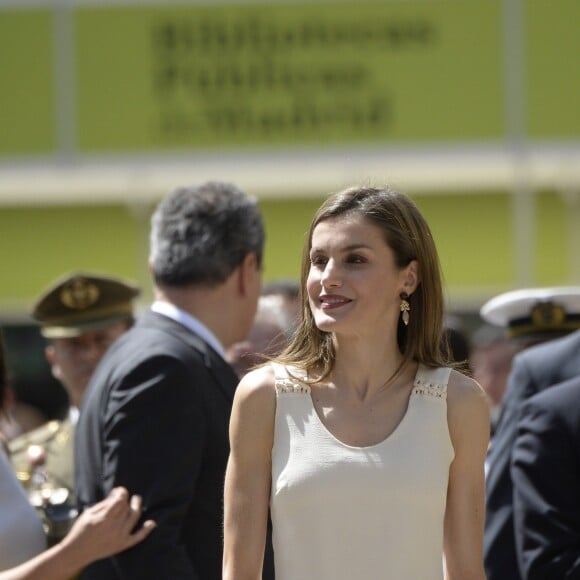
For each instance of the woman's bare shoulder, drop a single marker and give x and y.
(257, 387)
(467, 404)
(462, 389)
(253, 418)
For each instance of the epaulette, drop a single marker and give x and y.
(38, 436)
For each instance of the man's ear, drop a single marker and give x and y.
(411, 277)
(247, 273)
(50, 354)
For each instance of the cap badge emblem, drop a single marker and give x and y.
(548, 314)
(79, 294)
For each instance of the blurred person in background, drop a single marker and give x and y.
(287, 292)
(21, 531)
(267, 337)
(542, 324)
(545, 470)
(491, 361)
(19, 417)
(456, 343)
(80, 316)
(108, 528)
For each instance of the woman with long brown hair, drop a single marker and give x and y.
(367, 447)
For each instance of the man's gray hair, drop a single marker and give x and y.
(201, 234)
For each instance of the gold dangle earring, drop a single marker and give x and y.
(405, 308)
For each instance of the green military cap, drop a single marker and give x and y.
(83, 302)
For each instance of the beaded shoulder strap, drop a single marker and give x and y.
(432, 382)
(286, 383)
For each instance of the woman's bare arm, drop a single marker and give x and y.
(468, 418)
(248, 476)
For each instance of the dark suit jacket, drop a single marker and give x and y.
(546, 477)
(155, 420)
(533, 370)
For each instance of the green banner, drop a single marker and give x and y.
(553, 69)
(26, 82)
(293, 74)
(163, 78)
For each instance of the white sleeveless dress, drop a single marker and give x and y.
(360, 513)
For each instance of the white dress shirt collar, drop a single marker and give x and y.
(73, 415)
(190, 322)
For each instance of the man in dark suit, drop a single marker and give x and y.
(155, 418)
(546, 478)
(554, 312)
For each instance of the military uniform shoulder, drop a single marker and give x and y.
(38, 436)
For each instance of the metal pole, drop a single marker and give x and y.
(515, 101)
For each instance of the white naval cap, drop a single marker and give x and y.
(535, 312)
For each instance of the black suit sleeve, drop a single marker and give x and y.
(153, 440)
(499, 540)
(546, 476)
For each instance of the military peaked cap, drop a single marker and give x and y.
(535, 312)
(82, 302)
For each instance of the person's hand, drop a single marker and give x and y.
(107, 527)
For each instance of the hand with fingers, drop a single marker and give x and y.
(108, 527)
(102, 530)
